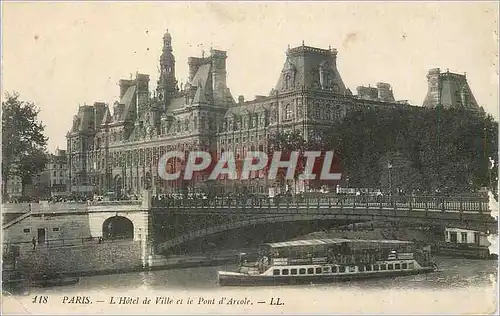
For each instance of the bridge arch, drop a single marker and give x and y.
(305, 217)
(243, 223)
(118, 227)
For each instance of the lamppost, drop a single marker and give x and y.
(389, 168)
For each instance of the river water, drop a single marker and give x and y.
(460, 286)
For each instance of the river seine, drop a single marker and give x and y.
(460, 286)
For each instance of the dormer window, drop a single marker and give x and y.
(288, 76)
(288, 81)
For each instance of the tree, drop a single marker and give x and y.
(23, 141)
(286, 142)
(445, 150)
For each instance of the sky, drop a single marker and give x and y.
(61, 55)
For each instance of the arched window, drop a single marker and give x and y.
(288, 113)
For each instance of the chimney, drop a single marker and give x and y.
(385, 92)
(218, 59)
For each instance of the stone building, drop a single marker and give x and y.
(117, 149)
(450, 90)
(53, 180)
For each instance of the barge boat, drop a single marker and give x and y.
(329, 260)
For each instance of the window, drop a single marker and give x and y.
(288, 81)
(368, 267)
(293, 271)
(27, 230)
(404, 266)
(326, 270)
(341, 269)
(318, 271)
(453, 237)
(302, 271)
(375, 267)
(352, 269)
(276, 272)
(397, 266)
(334, 269)
(476, 238)
(284, 272)
(383, 267)
(464, 237)
(390, 266)
(410, 265)
(361, 268)
(288, 112)
(310, 271)
(55, 229)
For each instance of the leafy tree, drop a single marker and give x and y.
(286, 142)
(23, 141)
(445, 150)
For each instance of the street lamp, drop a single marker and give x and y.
(389, 168)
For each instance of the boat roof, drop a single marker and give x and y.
(325, 242)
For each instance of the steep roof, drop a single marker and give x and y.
(455, 92)
(106, 118)
(245, 109)
(128, 100)
(303, 63)
(83, 120)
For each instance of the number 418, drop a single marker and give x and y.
(40, 299)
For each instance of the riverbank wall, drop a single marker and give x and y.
(109, 258)
(98, 257)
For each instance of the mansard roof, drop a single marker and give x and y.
(128, 100)
(83, 120)
(453, 87)
(246, 109)
(303, 65)
(450, 90)
(106, 118)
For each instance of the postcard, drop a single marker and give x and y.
(249, 158)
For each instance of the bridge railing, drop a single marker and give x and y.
(113, 203)
(468, 204)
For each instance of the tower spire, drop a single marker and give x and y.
(167, 84)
